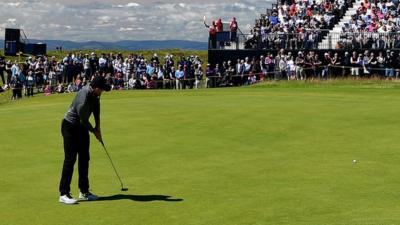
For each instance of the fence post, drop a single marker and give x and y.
(329, 41)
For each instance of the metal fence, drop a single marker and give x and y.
(313, 40)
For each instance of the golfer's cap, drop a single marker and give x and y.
(100, 82)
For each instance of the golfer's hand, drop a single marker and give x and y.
(97, 134)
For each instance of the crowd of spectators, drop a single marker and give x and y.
(49, 75)
(296, 24)
(375, 25)
(302, 65)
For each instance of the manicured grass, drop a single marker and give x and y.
(276, 153)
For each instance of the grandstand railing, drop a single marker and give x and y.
(302, 41)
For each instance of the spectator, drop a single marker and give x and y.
(160, 76)
(47, 90)
(354, 64)
(390, 64)
(30, 82)
(299, 66)
(16, 87)
(381, 64)
(291, 68)
(132, 83)
(8, 71)
(234, 27)
(212, 35)
(179, 75)
(239, 68)
(2, 69)
(218, 25)
(210, 73)
(346, 64)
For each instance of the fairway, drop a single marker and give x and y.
(266, 155)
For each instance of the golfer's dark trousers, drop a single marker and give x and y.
(76, 143)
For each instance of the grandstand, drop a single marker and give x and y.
(321, 26)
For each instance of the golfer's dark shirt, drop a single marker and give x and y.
(82, 107)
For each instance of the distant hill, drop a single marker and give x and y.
(121, 45)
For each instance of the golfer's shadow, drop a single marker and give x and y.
(140, 198)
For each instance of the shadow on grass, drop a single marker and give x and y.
(139, 198)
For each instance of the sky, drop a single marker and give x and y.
(102, 20)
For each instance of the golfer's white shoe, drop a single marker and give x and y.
(88, 196)
(68, 199)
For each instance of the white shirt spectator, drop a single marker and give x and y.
(86, 63)
(102, 62)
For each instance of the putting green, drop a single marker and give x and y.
(271, 154)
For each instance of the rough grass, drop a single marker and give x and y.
(277, 153)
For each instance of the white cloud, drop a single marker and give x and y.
(131, 19)
(240, 5)
(104, 19)
(53, 25)
(123, 29)
(14, 4)
(139, 20)
(132, 4)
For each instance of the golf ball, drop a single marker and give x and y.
(354, 161)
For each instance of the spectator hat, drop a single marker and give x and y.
(100, 82)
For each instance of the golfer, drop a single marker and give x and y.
(75, 130)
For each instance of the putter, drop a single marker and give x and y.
(115, 170)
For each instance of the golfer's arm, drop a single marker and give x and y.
(83, 112)
(96, 115)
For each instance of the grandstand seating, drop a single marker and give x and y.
(324, 24)
(368, 25)
(297, 24)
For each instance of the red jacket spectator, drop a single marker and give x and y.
(292, 10)
(213, 34)
(212, 30)
(233, 25)
(309, 12)
(218, 25)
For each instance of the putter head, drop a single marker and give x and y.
(124, 189)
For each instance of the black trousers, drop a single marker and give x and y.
(2, 76)
(76, 143)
